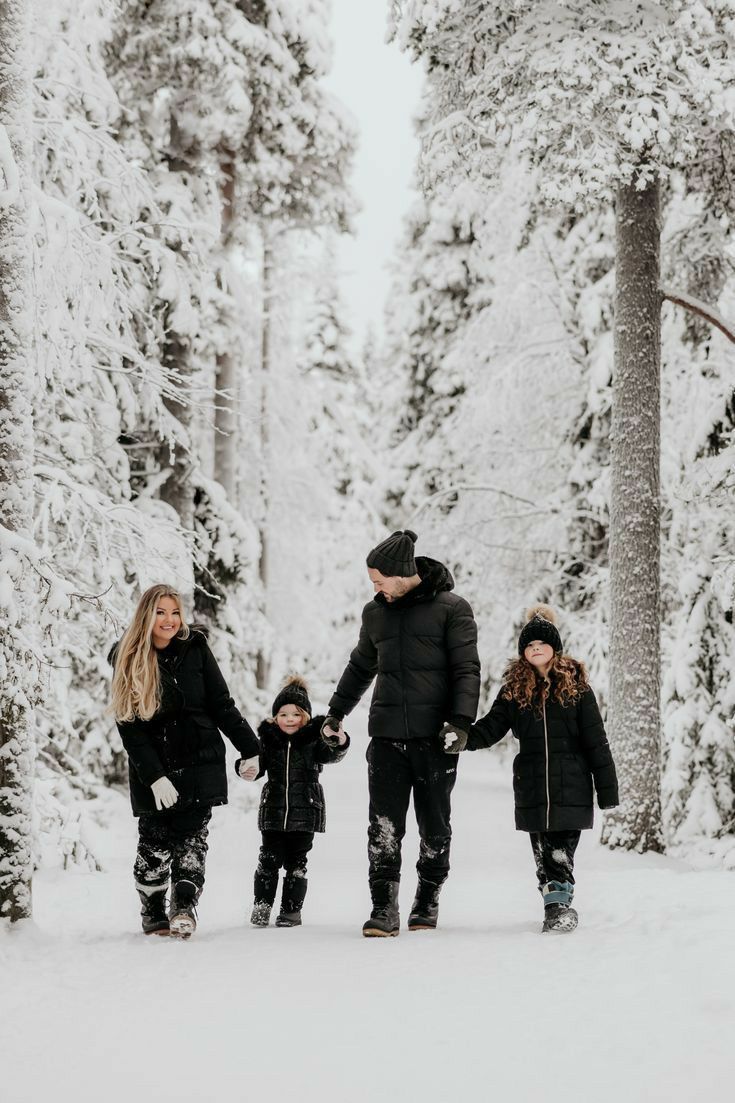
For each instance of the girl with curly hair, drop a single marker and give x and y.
(547, 702)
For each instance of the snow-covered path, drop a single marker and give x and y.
(638, 1004)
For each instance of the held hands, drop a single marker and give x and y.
(332, 733)
(165, 793)
(248, 768)
(454, 739)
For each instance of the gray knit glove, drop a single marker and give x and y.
(330, 731)
(453, 739)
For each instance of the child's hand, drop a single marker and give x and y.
(341, 738)
(248, 769)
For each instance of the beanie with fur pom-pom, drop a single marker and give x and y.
(541, 625)
(294, 692)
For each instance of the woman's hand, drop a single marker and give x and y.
(165, 793)
(248, 769)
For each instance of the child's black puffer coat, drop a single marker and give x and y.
(563, 748)
(292, 797)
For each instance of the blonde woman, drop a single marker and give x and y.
(169, 699)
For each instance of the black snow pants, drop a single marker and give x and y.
(171, 845)
(395, 769)
(287, 850)
(553, 852)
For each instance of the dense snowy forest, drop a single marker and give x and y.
(181, 398)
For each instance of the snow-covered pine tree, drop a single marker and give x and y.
(545, 78)
(17, 549)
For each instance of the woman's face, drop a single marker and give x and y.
(539, 654)
(167, 623)
(289, 719)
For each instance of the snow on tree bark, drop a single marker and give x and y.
(16, 472)
(635, 632)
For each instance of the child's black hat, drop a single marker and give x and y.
(294, 692)
(541, 626)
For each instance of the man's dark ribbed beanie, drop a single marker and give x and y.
(293, 693)
(394, 556)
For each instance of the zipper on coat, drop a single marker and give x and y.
(288, 764)
(400, 660)
(546, 755)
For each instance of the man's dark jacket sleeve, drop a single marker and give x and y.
(464, 663)
(358, 674)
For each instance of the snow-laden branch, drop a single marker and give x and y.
(704, 310)
(10, 193)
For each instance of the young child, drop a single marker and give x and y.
(547, 702)
(292, 809)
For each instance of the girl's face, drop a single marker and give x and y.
(539, 654)
(289, 719)
(167, 622)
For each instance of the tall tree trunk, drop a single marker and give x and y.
(226, 415)
(263, 663)
(16, 467)
(635, 724)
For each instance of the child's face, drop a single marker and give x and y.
(289, 719)
(539, 654)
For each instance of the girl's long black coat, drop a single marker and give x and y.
(562, 750)
(182, 741)
(292, 797)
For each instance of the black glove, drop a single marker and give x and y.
(330, 730)
(453, 739)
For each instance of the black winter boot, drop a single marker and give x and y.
(292, 899)
(265, 884)
(384, 921)
(153, 912)
(182, 912)
(425, 908)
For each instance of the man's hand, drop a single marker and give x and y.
(332, 733)
(248, 768)
(454, 739)
(164, 793)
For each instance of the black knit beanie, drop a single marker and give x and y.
(540, 626)
(293, 693)
(394, 556)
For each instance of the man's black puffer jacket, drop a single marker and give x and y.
(182, 741)
(292, 797)
(423, 650)
(563, 748)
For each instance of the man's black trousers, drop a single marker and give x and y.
(395, 769)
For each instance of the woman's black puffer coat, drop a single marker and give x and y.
(292, 797)
(182, 741)
(563, 749)
(423, 650)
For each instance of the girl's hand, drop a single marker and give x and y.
(341, 738)
(248, 769)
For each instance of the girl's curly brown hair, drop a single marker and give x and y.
(567, 682)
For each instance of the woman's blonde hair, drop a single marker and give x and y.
(136, 683)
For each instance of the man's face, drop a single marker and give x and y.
(390, 586)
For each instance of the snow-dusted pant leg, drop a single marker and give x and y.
(553, 853)
(390, 778)
(172, 844)
(434, 775)
(280, 849)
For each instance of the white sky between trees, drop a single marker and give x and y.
(381, 88)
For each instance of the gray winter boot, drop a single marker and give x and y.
(559, 915)
(384, 921)
(182, 912)
(425, 908)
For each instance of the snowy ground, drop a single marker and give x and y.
(638, 1004)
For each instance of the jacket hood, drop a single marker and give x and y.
(435, 579)
(308, 732)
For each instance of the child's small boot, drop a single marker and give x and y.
(559, 915)
(425, 908)
(265, 884)
(292, 899)
(182, 912)
(384, 921)
(153, 910)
